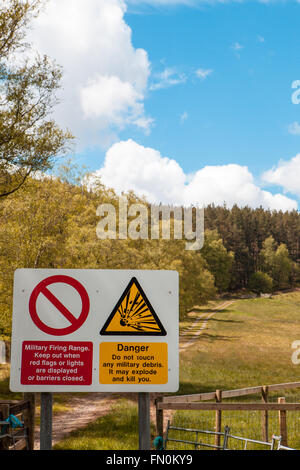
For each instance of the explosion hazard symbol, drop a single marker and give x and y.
(133, 315)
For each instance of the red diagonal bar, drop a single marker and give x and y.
(54, 300)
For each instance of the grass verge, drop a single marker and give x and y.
(118, 430)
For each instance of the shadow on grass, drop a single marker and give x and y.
(221, 320)
(115, 431)
(189, 388)
(191, 320)
(208, 311)
(207, 336)
(203, 310)
(213, 338)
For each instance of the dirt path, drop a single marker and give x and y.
(190, 335)
(84, 410)
(87, 409)
(90, 406)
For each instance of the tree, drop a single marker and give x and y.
(29, 138)
(282, 268)
(260, 282)
(277, 263)
(244, 230)
(51, 223)
(218, 259)
(196, 282)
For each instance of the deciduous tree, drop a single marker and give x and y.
(29, 137)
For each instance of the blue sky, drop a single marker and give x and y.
(241, 112)
(211, 88)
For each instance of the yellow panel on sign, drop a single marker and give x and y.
(133, 363)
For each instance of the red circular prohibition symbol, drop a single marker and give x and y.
(42, 288)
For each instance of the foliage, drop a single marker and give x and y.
(260, 282)
(218, 259)
(276, 262)
(244, 230)
(51, 223)
(29, 138)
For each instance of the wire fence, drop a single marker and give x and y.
(252, 424)
(244, 424)
(197, 439)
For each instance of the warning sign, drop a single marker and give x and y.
(59, 313)
(133, 315)
(133, 363)
(56, 362)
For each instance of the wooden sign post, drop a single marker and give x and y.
(46, 421)
(144, 421)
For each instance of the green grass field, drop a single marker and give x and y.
(247, 344)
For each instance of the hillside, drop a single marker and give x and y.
(249, 343)
(51, 223)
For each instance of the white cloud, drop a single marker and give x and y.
(145, 123)
(203, 73)
(169, 77)
(237, 46)
(130, 166)
(286, 175)
(108, 97)
(105, 76)
(183, 117)
(167, 2)
(294, 128)
(232, 184)
(191, 3)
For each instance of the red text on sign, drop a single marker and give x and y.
(57, 362)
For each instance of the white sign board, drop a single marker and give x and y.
(86, 330)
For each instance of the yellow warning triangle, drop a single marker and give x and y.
(133, 315)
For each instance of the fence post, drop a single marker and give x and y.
(265, 415)
(30, 418)
(159, 418)
(46, 421)
(144, 420)
(5, 414)
(218, 424)
(282, 423)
